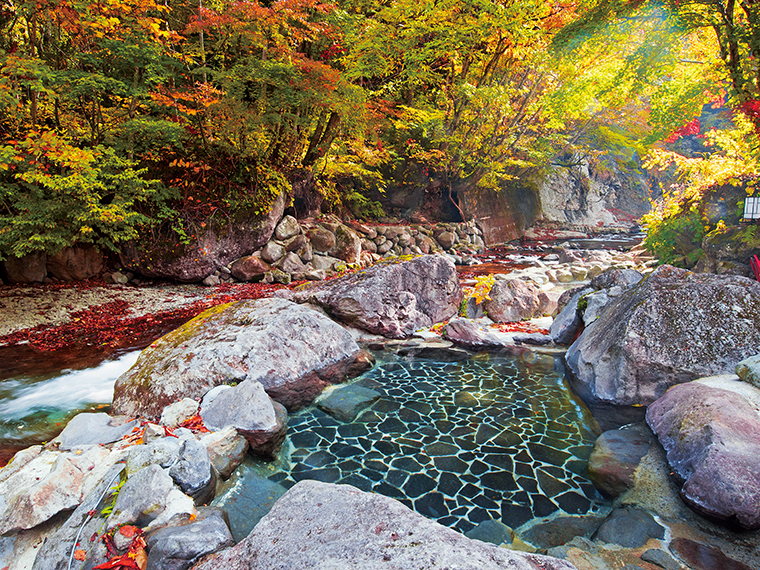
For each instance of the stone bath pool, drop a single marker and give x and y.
(491, 437)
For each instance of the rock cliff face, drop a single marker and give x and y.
(579, 193)
(505, 214)
(219, 243)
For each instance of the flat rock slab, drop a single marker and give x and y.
(630, 528)
(294, 351)
(702, 557)
(320, 525)
(712, 439)
(560, 530)
(495, 532)
(615, 456)
(392, 298)
(469, 334)
(345, 402)
(675, 326)
(93, 429)
(43, 483)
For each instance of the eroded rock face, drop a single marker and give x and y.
(674, 327)
(516, 300)
(391, 298)
(320, 525)
(76, 263)
(712, 438)
(292, 350)
(31, 268)
(220, 242)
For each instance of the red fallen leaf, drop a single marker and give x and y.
(170, 433)
(123, 562)
(107, 324)
(194, 424)
(133, 559)
(94, 537)
(130, 531)
(80, 554)
(523, 327)
(110, 546)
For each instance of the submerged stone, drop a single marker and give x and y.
(345, 402)
(251, 497)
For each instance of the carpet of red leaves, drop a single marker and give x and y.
(108, 325)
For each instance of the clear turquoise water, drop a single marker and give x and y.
(493, 437)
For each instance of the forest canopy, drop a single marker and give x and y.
(119, 115)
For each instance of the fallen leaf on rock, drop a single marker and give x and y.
(130, 531)
(80, 554)
(194, 424)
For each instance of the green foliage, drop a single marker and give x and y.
(55, 195)
(675, 237)
(173, 113)
(480, 292)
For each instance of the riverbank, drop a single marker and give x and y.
(95, 313)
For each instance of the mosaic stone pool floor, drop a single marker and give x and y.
(492, 437)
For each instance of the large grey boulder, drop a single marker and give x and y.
(226, 450)
(629, 527)
(624, 278)
(248, 408)
(516, 300)
(193, 472)
(345, 402)
(615, 457)
(248, 500)
(287, 228)
(55, 551)
(320, 525)
(565, 325)
(292, 350)
(162, 452)
(142, 498)
(321, 239)
(348, 245)
(710, 430)
(675, 326)
(393, 298)
(222, 240)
